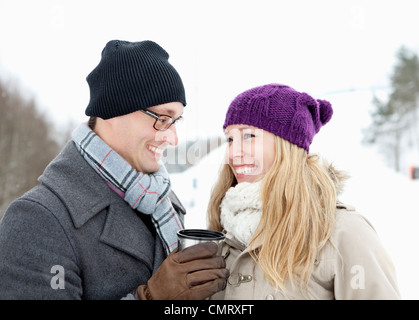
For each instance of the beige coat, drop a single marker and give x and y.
(352, 265)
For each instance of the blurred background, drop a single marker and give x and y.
(362, 56)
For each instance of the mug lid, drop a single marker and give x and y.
(200, 234)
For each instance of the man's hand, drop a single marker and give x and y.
(195, 273)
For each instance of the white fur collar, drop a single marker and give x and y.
(241, 210)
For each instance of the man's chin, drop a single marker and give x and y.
(152, 168)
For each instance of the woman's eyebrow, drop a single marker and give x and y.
(244, 127)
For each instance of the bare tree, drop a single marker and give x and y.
(395, 122)
(26, 144)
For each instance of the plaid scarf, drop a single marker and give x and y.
(147, 193)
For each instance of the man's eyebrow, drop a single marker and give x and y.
(165, 111)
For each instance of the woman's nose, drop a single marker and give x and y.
(236, 149)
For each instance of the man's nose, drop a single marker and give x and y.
(169, 136)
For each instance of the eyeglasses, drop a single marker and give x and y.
(163, 122)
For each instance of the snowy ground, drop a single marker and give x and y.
(387, 199)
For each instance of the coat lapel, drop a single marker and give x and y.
(125, 231)
(78, 186)
(85, 194)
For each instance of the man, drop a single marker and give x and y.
(102, 223)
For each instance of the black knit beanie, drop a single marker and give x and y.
(132, 76)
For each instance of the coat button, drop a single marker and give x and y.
(270, 297)
(236, 279)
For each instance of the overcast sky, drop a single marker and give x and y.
(220, 48)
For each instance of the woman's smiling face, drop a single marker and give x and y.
(250, 152)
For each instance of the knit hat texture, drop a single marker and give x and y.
(132, 76)
(292, 115)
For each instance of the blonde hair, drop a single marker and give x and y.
(298, 204)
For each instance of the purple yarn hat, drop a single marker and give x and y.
(292, 115)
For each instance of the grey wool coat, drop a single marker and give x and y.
(73, 237)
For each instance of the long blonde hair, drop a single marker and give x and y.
(298, 204)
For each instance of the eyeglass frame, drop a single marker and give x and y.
(157, 116)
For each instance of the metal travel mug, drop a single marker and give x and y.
(190, 237)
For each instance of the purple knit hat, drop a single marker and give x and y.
(279, 109)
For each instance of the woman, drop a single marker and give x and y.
(288, 236)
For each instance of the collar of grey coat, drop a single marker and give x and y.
(85, 194)
(78, 186)
(69, 184)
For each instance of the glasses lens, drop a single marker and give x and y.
(163, 122)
